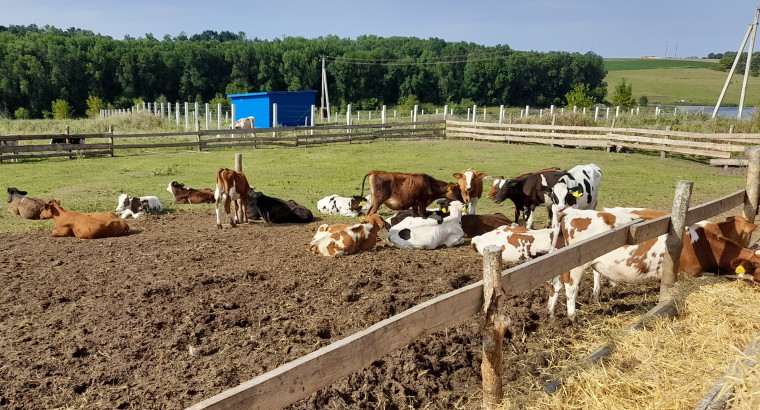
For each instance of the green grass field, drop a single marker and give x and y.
(670, 81)
(307, 174)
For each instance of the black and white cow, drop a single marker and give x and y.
(577, 188)
(526, 191)
(128, 205)
(343, 206)
(274, 210)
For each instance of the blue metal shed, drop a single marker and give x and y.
(293, 107)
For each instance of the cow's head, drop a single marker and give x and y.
(508, 189)
(14, 191)
(497, 183)
(357, 203)
(252, 210)
(50, 209)
(467, 179)
(453, 192)
(747, 267)
(123, 203)
(562, 196)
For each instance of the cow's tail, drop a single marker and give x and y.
(364, 180)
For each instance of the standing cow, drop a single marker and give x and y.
(399, 191)
(526, 192)
(231, 186)
(578, 188)
(471, 185)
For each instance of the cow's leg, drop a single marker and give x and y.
(62, 230)
(597, 284)
(419, 210)
(471, 207)
(227, 201)
(571, 288)
(218, 198)
(530, 213)
(554, 294)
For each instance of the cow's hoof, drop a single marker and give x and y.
(219, 226)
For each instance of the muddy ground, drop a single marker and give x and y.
(178, 311)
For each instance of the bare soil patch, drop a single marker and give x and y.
(178, 311)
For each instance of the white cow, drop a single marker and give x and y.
(244, 123)
(578, 188)
(127, 206)
(428, 233)
(343, 206)
(517, 243)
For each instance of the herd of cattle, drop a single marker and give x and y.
(570, 198)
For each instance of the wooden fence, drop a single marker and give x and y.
(14, 147)
(301, 377)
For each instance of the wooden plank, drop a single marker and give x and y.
(689, 151)
(712, 399)
(299, 378)
(732, 162)
(684, 143)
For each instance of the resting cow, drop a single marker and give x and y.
(128, 205)
(341, 239)
(274, 210)
(230, 186)
(25, 206)
(525, 191)
(471, 186)
(399, 191)
(343, 206)
(516, 242)
(84, 226)
(427, 233)
(184, 195)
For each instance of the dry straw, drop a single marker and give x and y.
(672, 365)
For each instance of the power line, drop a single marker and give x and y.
(404, 61)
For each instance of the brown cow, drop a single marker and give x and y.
(184, 195)
(231, 186)
(400, 191)
(471, 185)
(342, 239)
(25, 206)
(720, 248)
(83, 226)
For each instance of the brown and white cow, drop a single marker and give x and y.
(427, 233)
(342, 239)
(399, 191)
(707, 246)
(231, 186)
(517, 243)
(25, 206)
(471, 186)
(498, 182)
(184, 195)
(83, 226)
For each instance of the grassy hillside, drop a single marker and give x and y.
(670, 81)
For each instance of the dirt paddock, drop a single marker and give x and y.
(178, 311)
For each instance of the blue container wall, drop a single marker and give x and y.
(293, 107)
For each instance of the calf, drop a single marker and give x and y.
(497, 184)
(244, 123)
(577, 188)
(720, 248)
(128, 205)
(230, 186)
(438, 214)
(474, 225)
(400, 191)
(343, 206)
(526, 193)
(471, 186)
(274, 210)
(341, 239)
(84, 226)
(25, 206)
(184, 195)
(516, 242)
(425, 233)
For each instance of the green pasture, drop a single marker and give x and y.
(670, 81)
(307, 174)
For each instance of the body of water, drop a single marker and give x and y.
(729, 112)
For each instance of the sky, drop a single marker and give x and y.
(611, 29)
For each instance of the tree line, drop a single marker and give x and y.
(44, 66)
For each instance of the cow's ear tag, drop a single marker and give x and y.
(362, 203)
(362, 220)
(740, 270)
(577, 193)
(444, 210)
(464, 209)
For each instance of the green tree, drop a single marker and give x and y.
(94, 105)
(62, 110)
(623, 95)
(643, 101)
(579, 97)
(407, 103)
(21, 114)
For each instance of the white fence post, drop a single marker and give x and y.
(382, 116)
(219, 116)
(274, 119)
(414, 115)
(187, 117)
(527, 111)
(474, 113)
(501, 113)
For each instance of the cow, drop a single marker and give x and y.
(517, 243)
(274, 210)
(435, 213)
(184, 195)
(525, 191)
(343, 206)
(471, 186)
(399, 191)
(578, 188)
(84, 226)
(342, 239)
(25, 206)
(706, 246)
(128, 205)
(498, 182)
(244, 123)
(427, 233)
(230, 186)
(474, 225)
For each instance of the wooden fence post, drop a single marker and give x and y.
(662, 153)
(674, 240)
(753, 185)
(239, 162)
(110, 137)
(495, 325)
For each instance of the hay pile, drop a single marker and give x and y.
(673, 364)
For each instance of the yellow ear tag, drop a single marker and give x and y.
(444, 210)
(740, 270)
(362, 203)
(362, 220)
(577, 194)
(464, 209)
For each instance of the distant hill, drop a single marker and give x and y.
(617, 64)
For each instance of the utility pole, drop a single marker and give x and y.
(325, 96)
(751, 32)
